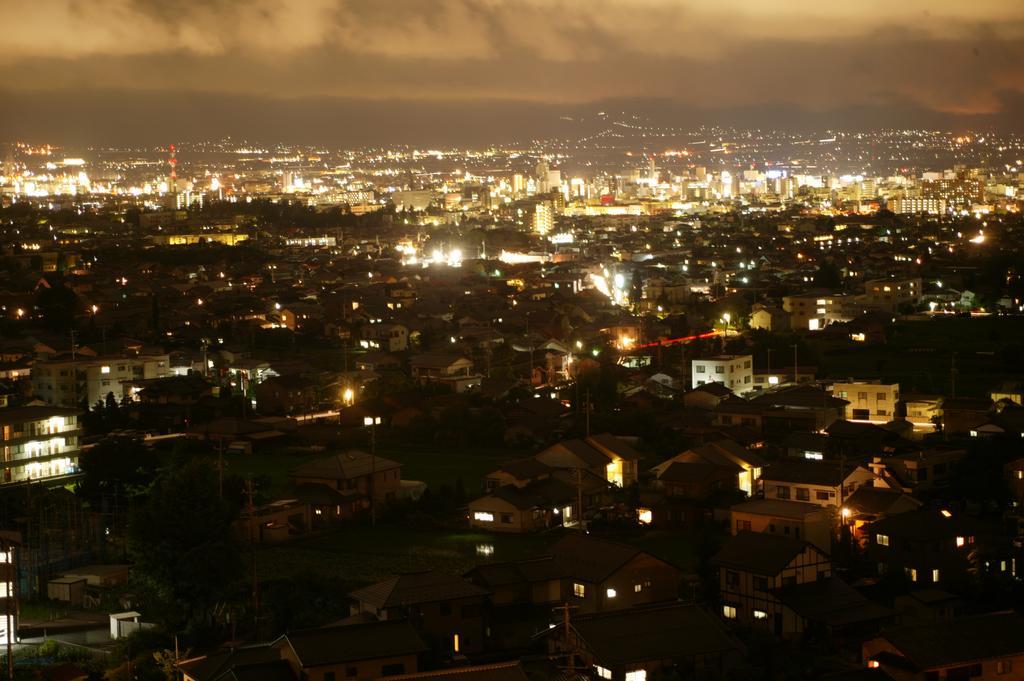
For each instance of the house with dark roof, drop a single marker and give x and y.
(448, 612)
(744, 464)
(918, 470)
(593, 575)
(351, 479)
(786, 585)
(502, 671)
(605, 455)
(928, 546)
(630, 645)
(825, 483)
(362, 651)
(986, 647)
(796, 519)
(260, 660)
(870, 504)
(551, 500)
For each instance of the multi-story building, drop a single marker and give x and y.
(38, 443)
(9, 543)
(868, 400)
(914, 205)
(814, 311)
(890, 294)
(735, 372)
(68, 382)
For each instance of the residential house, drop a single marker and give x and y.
(988, 647)
(386, 336)
(785, 585)
(448, 369)
(362, 652)
(926, 546)
(961, 415)
(355, 475)
(550, 500)
(678, 639)
(707, 396)
(745, 464)
(603, 455)
(769, 318)
(919, 470)
(869, 504)
(448, 612)
(825, 483)
(796, 519)
(593, 575)
(501, 671)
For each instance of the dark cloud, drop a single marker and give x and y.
(266, 64)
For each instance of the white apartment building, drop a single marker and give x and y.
(67, 382)
(735, 372)
(868, 400)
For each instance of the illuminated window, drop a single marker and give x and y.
(611, 593)
(104, 370)
(483, 516)
(960, 541)
(760, 615)
(729, 612)
(455, 643)
(637, 588)
(638, 675)
(911, 573)
(935, 575)
(579, 590)
(882, 539)
(602, 672)
(644, 516)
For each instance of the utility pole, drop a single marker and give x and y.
(220, 468)
(768, 368)
(250, 493)
(579, 499)
(586, 406)
(565, 609)
(372, 422)
(953, 372)
(796, 365)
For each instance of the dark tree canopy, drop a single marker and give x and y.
(180, 538)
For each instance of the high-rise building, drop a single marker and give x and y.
(543, 217)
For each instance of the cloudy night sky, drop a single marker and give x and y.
(462, 70)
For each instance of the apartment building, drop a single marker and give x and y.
(38, 443)
(735, 372)
(68, 382)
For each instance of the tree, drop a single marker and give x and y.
(59, 305)
(180, 537)
(828, 276)
(115, 468)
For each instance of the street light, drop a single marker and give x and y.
(372, 422)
